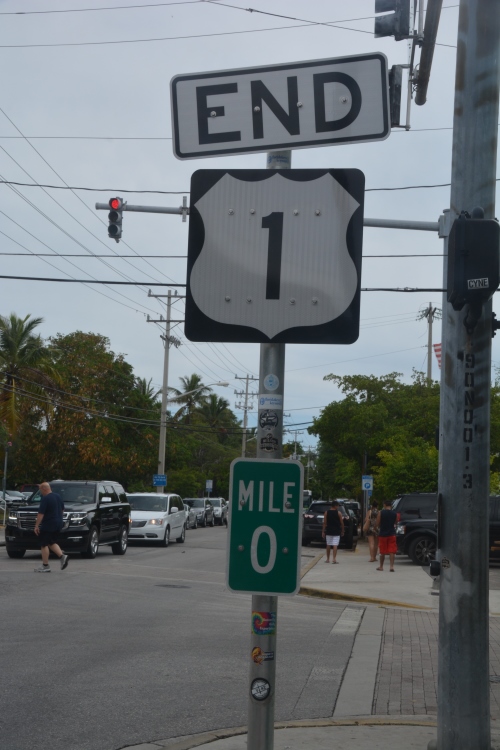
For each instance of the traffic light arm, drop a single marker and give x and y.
(181, 210)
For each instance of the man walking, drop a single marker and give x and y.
(387, 543)
(48, 524)
(333, 529)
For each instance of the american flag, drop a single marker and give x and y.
(437, 352)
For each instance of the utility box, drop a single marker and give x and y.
(473, 261)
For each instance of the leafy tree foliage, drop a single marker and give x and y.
(386, 422)
(96, 419)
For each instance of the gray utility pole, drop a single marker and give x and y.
(4, 480)
(168, 341)
(463, 683)
(269, 446)
(245, 408)
(430, 313)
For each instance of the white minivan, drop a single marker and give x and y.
(157, 518)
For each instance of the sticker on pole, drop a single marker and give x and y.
(275, 256)
(265, 531)
(260, 689)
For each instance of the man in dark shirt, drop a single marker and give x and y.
(49, 523)
(387, 544)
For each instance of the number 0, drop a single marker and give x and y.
(272, 552)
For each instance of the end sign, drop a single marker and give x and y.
(265, 526)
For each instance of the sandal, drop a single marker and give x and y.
(379, 569)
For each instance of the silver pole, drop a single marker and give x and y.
(430, 314)
(164, 396)
(245, 421)
(272, 381)
(463, 682)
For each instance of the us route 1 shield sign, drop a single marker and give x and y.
(265, 526)
(293, 105)
(275, 256)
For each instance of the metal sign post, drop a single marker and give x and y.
(269, 446)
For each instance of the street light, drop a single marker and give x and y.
(163, 424)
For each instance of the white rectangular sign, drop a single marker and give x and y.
(296, 105)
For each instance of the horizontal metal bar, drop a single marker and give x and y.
(146, 209)
(424, 226)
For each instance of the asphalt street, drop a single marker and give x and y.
(122, 650)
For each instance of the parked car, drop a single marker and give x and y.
(203, 509)
(191, 517)
(416, 505)
(157, 518)
(95, 514)
(13, 498)
(220, 510)
(355, 507)
(417, 530)
(312, 529)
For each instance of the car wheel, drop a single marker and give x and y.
(166, 539)
(306, 542)
(422, 550)
(93, 544)
(16, 554)
(182, 538)
(121, 545)
(212, 522)
(204, 522)
(195, 525)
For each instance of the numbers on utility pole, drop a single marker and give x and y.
(273, 222)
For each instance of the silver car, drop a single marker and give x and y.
(191, 517)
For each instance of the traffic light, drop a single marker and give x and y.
(396, 24)
(115, 218)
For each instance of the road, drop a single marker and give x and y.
(121, 650)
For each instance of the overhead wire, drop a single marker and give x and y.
(94, 214)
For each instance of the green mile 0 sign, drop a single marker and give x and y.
(265, 526)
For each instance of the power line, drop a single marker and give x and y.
(93, 213)
(86, 255)
(95, 281)
(94, 190)
(87, 10)
(355, 359)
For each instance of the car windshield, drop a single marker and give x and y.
(147, 502)
(72, 494)
(199, 502)
(14, 493)
(396, 503)
(215, 502)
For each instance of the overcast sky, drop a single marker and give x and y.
(98, 114)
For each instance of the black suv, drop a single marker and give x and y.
(312, 529)
(417, 531)
(95, 513)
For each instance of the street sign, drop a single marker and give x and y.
(265, 526)
(209, 485)
(295, 105)
(159, 480)
(367, 482)
(275, 256)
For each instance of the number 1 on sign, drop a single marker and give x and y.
(273, 222)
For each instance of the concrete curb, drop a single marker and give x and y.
(337, 595)
(205, 738)
(311, 565)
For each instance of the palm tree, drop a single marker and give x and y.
(191, 395)
(215, 410)
(26, 365)
(145, 388)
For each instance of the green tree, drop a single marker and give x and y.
(190, 395)
(26, 366)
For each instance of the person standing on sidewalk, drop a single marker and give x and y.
(387, 544)
(333, 529)
(371, 530)
(48, 524)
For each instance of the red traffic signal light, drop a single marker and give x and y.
(115, 218)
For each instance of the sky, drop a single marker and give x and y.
(86, 103)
